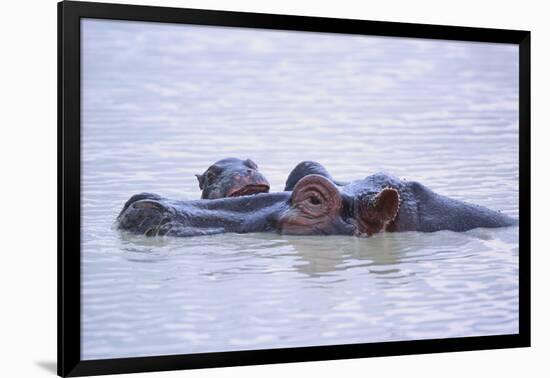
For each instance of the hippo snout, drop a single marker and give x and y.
(232, 177)
(246, 183)
(145, 214)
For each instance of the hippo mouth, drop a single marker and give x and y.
(249, 190)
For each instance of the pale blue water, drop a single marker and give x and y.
(162, 102)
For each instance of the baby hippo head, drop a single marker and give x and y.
(317, 207)
(232, 177)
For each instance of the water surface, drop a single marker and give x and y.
(162, 102)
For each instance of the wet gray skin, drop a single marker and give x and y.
(308, 168)
(232, 177)
(315, 206)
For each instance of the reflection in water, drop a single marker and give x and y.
(162, 102)
(327, 254)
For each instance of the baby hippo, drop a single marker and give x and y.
(232, 177)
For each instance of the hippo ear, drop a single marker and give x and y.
(251, 164)
(200, 178)
(375, 213)
(385, 205)
(317, 196)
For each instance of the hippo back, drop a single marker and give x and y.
(437, 212)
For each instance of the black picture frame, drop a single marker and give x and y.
(69, 155)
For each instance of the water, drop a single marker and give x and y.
(162, 102)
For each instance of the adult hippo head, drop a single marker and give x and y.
(232, 177)
(382, 202)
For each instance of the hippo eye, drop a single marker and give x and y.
(210, 176)
(314, 200)
(215, 169)
(316, 197)
(312, 204)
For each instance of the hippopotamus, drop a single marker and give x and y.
(232, 177)
(314, 206)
